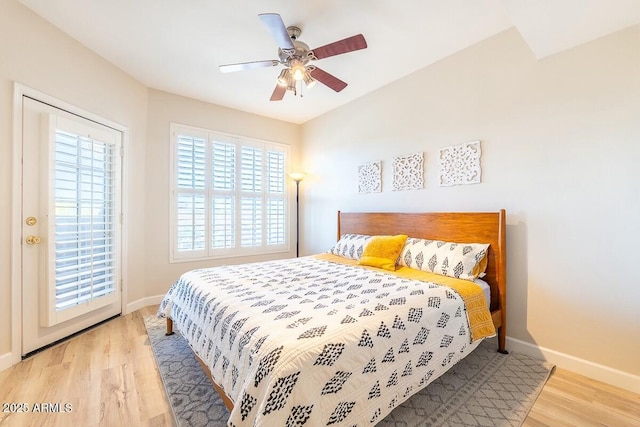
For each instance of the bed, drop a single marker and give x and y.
(321, 340)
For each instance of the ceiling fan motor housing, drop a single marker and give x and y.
(301, 49)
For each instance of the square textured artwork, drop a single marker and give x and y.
(460, 164)
(370, 177)
(408, 172)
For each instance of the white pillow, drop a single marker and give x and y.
(351, 246)
(460, 260)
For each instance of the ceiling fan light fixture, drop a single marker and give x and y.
(298, 74)
(291, 83)
(308, 80)
(295, 56)
(283, 78)
(297, 69)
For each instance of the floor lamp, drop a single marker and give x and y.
(297, 177)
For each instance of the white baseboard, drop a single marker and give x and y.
(143, 302)
(589, 369)
(7, 360)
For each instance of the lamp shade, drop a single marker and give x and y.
(283, 78)
(296, 176)
(297, 69)
(291, 83)
(308, 80)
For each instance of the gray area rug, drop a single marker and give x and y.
(484, 389)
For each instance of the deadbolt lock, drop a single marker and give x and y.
(33, 240)
(31, 220)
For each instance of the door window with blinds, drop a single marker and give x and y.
(228, 195)
(84, 222)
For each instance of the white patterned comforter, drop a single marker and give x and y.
(311, 342)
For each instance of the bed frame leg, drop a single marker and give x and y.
(169, 327)
(502, 338)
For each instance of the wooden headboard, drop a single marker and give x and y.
(459, 227)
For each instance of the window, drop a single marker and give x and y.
(228, 195)
(83, 219)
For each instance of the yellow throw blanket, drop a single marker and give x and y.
(478, 313)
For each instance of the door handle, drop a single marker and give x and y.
(33, 240)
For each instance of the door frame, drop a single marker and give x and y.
(19, 91)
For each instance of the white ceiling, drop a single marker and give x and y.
(177, 45)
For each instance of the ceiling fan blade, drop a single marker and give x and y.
(247, 66)
(349, 44)
(278, 93)
(327, 79)
(278, 30)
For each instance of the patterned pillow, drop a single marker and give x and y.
(460, 260)
(351, 246)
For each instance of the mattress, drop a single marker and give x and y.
(486, 290)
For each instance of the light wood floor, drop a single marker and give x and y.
(108, 376)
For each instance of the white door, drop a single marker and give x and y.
(71, 225)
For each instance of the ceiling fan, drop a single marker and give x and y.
(296, 55)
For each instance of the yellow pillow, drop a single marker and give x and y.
(383, 251)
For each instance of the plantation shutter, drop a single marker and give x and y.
(223, 182)
(251, 197)
(229, 195)
(275, 211)
(191, 194)
(83, 271)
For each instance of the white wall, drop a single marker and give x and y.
(165, 108)
(560, 151)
